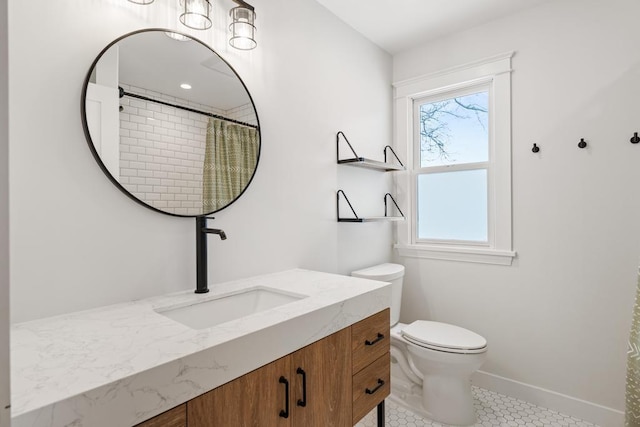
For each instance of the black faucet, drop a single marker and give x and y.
(201, 252)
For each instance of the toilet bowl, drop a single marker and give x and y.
(432, 362)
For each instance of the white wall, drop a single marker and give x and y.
(4, 221)
(77, 242)
(560, 316)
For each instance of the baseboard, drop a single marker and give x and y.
(587, 411)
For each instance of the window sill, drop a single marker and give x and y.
(449, 253)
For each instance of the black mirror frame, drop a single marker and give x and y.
(96, 156)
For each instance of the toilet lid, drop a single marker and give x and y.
(382, 272)
(443, 336)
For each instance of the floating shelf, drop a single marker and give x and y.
(371, 218)
(371, 164)
(364, 162)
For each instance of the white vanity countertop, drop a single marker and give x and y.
(122, 364)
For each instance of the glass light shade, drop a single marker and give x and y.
(242, 28)
(141, 1)
(196, 14)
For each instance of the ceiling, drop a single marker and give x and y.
(398, 25)
(153, 61)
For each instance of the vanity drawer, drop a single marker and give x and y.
(370, 386)
(176, 417)
(369, 340)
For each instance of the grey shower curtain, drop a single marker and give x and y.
(632, 412)
(231, 154)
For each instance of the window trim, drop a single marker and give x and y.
(496, 73)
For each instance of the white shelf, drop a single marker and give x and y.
(372, 219)
(371, 164)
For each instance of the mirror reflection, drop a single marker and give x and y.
(171, 123)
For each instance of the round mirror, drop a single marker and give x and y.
(171, 123)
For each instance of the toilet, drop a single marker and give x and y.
(431, 362)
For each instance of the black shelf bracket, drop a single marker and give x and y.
(356, 219)
(355, 155)
(392, 152)
(394, 202)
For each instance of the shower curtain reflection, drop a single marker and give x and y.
(231, 154)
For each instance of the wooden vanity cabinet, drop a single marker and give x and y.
(316, 380)
(333, 382)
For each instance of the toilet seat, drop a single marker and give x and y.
(444, 337)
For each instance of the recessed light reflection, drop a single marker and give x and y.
(177, 36)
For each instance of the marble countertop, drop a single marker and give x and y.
(122, 364)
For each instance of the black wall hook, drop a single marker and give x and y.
(635, 139)
(535, 148)
(582, 143)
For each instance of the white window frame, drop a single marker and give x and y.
(495, 74)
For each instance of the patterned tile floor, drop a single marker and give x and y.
(492, 409)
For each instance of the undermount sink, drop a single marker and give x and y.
(216, 311)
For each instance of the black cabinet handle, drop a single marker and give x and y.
(371, 391)
(284, 413)
(378, 339)
(303, 402)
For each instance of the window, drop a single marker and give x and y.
(451, 134)
(456, 128)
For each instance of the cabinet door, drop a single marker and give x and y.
(325, 366)
(176, 417)
(253, 400)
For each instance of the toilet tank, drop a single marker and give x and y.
(387, 272)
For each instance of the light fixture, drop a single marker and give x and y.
(196, 14)
(186, 86)
(242, 28)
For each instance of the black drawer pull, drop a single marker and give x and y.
(378, 339)
(284, 413)
(380, 384)
(303, 402)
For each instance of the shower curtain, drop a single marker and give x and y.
(231, 154)
(632, 412)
